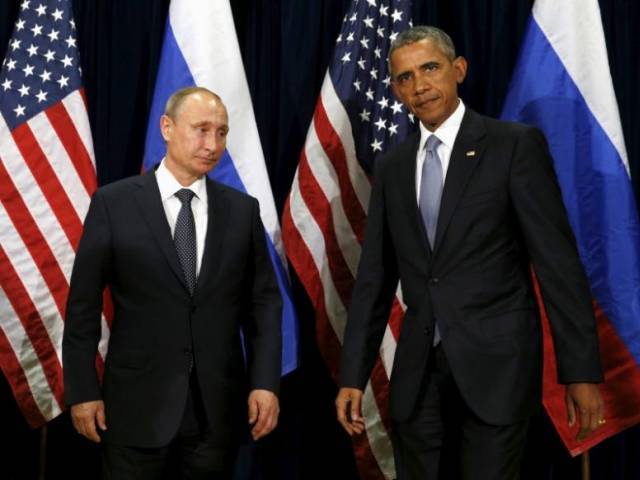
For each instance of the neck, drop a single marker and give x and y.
(183, 178)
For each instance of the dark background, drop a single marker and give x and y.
(286, 46)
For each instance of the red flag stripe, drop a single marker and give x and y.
(59, 161)
(31, 281)
(76, 105)
(18, 381)
(294, 227)
(44, 175)
(32, 330)
(339, 120)
(322, 171)
(332, 145)
(73, 146)
(318, 207)
(33, 244)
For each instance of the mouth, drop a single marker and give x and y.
(425, 102)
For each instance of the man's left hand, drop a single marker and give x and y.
(263, 412)
(584, 399)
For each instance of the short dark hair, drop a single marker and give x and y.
(422, 32)
(179, 96)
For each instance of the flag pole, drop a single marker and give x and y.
(586, 465)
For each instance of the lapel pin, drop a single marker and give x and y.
(471, 153)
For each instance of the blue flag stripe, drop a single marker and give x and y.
(174, 73)
(595, 185)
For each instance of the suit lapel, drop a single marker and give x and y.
(217, 219)
(148, 198)
(465, 155)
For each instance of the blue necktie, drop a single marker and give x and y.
(430, 195)
(184, 238)
(431, 188)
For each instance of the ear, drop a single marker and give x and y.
(460, 67)
(166, 124)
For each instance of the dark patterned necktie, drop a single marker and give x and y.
(184, 238)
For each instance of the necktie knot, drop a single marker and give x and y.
(185, 196)
(432, 144)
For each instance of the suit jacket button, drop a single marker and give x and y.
(427, 331)
(434, 280)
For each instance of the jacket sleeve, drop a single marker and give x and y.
(263, 331)
(82, 330)
(373, 294)
(551, 244)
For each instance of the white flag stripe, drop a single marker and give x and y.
(76, 108)
(29, 361)
(326, 177)
(60, 162)
(388, 350)
(36, 203)
(33, 282)
(103, 345)
(314, 240)
(212, 67)
(340, 122)
(593, 81)
(377, 435)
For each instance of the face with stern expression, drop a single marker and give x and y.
(195, 135)
(426, 81)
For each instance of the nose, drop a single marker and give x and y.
(422, 82)
(212, 142)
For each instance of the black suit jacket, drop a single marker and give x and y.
(127, 245)
(501, 209)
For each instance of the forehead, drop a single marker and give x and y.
(202, 107)
(421, 51)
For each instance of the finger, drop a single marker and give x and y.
(101, 419)
(355, 409)
(269, 426)
(341, 410)
(571, 411)
(253, 411)
(258, 427)
(585, 424)
(358, 426)
(89, 427)
(596, 418)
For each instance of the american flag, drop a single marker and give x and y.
(47, 175)
(356, 119)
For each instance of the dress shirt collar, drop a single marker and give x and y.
(168, 184)
(447, 132)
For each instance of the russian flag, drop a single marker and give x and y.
(201, 48)
(562, 84)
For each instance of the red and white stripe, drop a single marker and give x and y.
(323, 230)
(47, 177)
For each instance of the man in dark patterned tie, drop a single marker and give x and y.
(457, 214)
(186, 261)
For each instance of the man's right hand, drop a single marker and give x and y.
(348, 406)
(85, 416)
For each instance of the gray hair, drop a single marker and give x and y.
(422, 32)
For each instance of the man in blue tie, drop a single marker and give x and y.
(186, 262)
(457, 213)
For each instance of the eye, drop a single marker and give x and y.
(402, 78)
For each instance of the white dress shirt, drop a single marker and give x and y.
(446, 133)
(168, 186)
